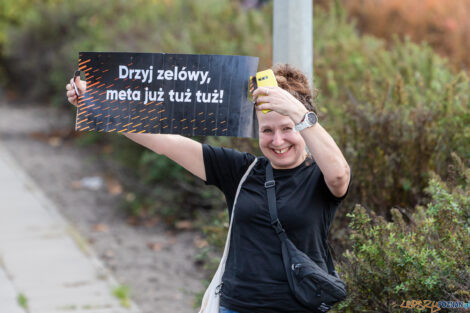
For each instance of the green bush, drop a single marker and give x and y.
(13, 13)
(396, 113)
(38, 49)
(419, 256)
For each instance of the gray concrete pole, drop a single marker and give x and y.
(293, 34)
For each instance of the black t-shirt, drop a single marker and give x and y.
(254, 279)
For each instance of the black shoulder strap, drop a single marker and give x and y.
(271, 191)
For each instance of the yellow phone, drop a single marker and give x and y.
(263, 79)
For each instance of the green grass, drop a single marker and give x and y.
(22, 301)
(122, 292)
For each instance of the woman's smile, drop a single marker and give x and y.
(282, 152)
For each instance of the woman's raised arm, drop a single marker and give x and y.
(184, 151)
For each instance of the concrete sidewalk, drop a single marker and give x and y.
(42, 258)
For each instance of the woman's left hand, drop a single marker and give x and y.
(280, 101)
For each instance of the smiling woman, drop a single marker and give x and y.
(279, 142)
(293, 125)
(308, 188)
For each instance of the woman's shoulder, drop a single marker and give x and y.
(226, 151)
(229, 156)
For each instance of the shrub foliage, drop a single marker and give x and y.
(419, 256)
(396, 113)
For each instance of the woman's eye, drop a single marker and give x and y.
(287, 128)
(266, 131)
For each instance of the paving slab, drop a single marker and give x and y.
(43, 258)
(8, 295)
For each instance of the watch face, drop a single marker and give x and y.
(312, 118)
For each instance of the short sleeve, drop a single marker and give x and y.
(225, 167)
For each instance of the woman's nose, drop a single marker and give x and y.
(278, 139)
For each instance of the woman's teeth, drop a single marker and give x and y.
(281, 151)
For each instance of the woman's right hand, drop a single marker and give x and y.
(71, 94)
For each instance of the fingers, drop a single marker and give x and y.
(263, 91)
(70, 89)
(262, 107)
(76, 87)
(73, 100)
(262, 99)
(76, 82)
(81, 85)
(71, 94)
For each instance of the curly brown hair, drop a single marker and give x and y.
(296, 83)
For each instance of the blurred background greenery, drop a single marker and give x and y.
(393, 92)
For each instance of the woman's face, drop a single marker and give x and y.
(283, 146)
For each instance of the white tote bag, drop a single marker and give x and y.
(211, 301)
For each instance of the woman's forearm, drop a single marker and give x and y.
(182, 150)
(328, 157)
(154, 142)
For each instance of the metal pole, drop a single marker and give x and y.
(293, 34)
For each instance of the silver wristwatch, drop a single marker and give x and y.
(309, 120)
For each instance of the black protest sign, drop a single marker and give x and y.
(167, 93)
